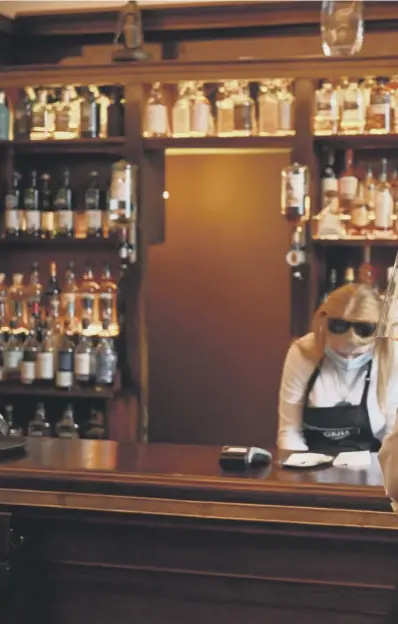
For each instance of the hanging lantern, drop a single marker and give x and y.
(342, 27)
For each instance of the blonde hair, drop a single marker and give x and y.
(353, 302)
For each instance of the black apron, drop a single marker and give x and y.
(341, 427)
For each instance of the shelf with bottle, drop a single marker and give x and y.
(358, 142)
(114, 146)
(228, 109)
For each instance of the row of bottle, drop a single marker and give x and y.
(40, 210)
(235, 112)
(369, 105)
(357, 205)
(89, 299)
(366, 273)
(55, 360)
(73, 113)
(66, 427)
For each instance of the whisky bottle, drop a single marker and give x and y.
(330, 185)
(201, 118)
(4, 307)
(52, 294)
(243, 109)
(13, 354)
(352, 111)
(12, 205)
(46, 207)
(69, 299)
(65, 122)
(39, 427)
(379, 110)
(332, 284)
(34, 292)
(41, 127)
(132, 242)
(156, 119)
(326, 109)
(115, 115)
(64, 365)
(29, 356)
(122, 196)
(89, 116)
(31, 207)
(383, 202)
(348, 182)
(294, 198)
(92, 208)
(67, 428)
(286, 107)
(367, 273)
(4, 118)
(46, 358)
(94, 428)
(17, 302)
(88, 295)
(369, 190)
(63, 207)
(13, 430)
(349, 275)
(268, 109)
(225, 111)
(181, 113)
(360, 216)
(22, 116)
(83, 357)
(107, 298)
(103, 103)
(106, 358)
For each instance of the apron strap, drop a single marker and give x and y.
(365, 393)
(311, 383)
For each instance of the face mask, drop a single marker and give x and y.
(348, 364)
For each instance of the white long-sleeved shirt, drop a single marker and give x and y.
(331, 387)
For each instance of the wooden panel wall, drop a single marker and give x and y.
(219, 300)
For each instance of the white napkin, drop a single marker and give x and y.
(307, 460)
(356, 459)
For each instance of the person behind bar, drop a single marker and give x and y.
(335, 392)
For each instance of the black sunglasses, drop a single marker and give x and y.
(340, 326)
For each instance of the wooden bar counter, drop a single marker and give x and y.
(118, 532)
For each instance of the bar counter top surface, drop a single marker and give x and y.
(161, 478)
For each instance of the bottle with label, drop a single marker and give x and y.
(69, 299)
(378, 119)
(31, 349)
(326, 109)
(329, 185)
(67, 428)
(13, 354)
(34, 292)
(13, 215)
(52, 294)
(88, 295)
(332, 284)
(4, 307)
(4, 118)
(84, 357)
(367, 273)
(369, 191)
(244, 117)
(181, 113)
(106, 358)
(46, 358)
(132, 243)
(201, 119)
(65, 121)
(122, 196)
(13, 430)
(39, 427)
(94, 428)
(384, 202)
(349, 275)
(108, 298)
(90, 116)
(225, 111)
(31, 207)
(17, 301)
(115, 115)
(156, 118)
(65, 223)
(286, 106)
(348, 182)
(360, 217)
(42, 119)
(268, 109)
(46, 207)
(22, 116)
(352, 113)
(64, 364)
(124, 249)
(103, 103)
(92, 208)
(295, 200)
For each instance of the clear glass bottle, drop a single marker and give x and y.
(352, 113)
(46, 358)
(42, 121)
(156, 118)
(63, 204)
(65, 122)
(22, 116)
(34, 292)
(329, 185)
(14, 431)
(64, 361)
(31, 207)
(83, 357)
(360, 216)
(378, 119)
(13, 354)
(94, 428)
(106, 358)
(225, 111)
(342, 27)
(13, 214)
(244, 116)
(103, 103)
(31, 349)
(92, 208)
(69, 299)
(4, 303)
(122, 197)
(90, 116)
(268, 108)
(384, 202)
(17, 301)
(286, 108)
(181, 112)
(39, 427)
(367, 273)
(369, 191)
(108, 299)
(88, 295)
(115, 115)
(326, 109)
(46, 207)
(67, 428)
(348, 182)
(4, 118)
(294, 198)
(52, 295)
(201, 119)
